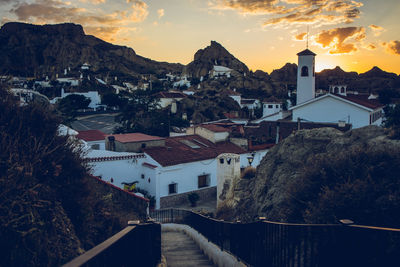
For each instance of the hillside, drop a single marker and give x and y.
(322, 176)
(32, 50)
(50, 209)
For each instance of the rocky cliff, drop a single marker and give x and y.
(323, 175)
(214, 54)
(33, 50)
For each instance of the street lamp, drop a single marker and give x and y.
(250, 158)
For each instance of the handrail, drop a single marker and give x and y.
(267, 243)
(135, 245)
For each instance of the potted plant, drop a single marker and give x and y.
(193, 198)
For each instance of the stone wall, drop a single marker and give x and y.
(208, 193)
(122, 201)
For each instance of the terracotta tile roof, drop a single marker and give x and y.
(362, 100)
(189, 148)
(214, 128)
(91, 135)
(134, 137)
(171, 95)
(149, 165)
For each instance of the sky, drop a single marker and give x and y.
(264, 34)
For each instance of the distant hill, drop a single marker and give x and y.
(33, 50)
(214, 54)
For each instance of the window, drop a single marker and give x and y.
(277, 106)
(270, 106)
(172, 188)
(203, 180)
(342, 90)
(304, 71)
(96, 146)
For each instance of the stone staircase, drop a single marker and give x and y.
(180, 250)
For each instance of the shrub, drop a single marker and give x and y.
(248, 173)
(193, 198)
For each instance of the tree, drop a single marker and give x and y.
(113, 100)
(70, 105)
(392, 115)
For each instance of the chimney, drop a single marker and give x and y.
(111, 143)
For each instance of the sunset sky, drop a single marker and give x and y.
(264, 34)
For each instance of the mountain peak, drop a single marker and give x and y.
(214, 54)
(64, 28)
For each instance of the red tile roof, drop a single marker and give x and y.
(214, 128)
(134, 137)
(171, 95)
(362, 100)
(91, 135)
(190, 148)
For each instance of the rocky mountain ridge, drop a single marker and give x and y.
(32, 50)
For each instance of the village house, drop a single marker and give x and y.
(95, 139)
(132, 142)
(168, 98)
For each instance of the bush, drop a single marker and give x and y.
(193, 198)
(248, 173)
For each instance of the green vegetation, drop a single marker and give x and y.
(69, 105)
(193, 198)
(49, 209)
(363, 186)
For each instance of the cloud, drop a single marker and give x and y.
(160, 13)
(300, 36)
(341, 40)
(94, 2)
(371, 47)
(393, 47)
(101, 24)
(318, 12)
(377, 30)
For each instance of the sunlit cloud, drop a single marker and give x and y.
(318, 12)
(95, 2)
(370, 47)
(160, 13)
(377, 30)
(300, 37)
(98, 23)
(341, 40)
(393, 47)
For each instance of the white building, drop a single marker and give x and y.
(271, 106)
(95, 139)
(71, 81)
(221, 71)
(94, 97)
(357, 110)
(167, 98)
(335, 107)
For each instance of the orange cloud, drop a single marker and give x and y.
(341, 40)
(393, 47)
(103, 25)
(377, 30)
(371, 47)
(160, 13)
(300, 37)
(320, 12)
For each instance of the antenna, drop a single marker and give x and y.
(307, 36)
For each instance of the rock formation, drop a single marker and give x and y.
(215, 54)
(33, 50)
(298, 178)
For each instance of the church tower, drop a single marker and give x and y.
(305, 76)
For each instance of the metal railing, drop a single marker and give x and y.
(266, 243)
(136, 245)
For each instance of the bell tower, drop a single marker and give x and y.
(305, 76)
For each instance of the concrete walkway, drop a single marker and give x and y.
(180, 250)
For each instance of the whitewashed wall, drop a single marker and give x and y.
(258, 156)
(332, 110)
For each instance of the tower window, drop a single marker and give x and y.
(304, 71)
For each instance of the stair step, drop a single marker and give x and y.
(180, 250)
